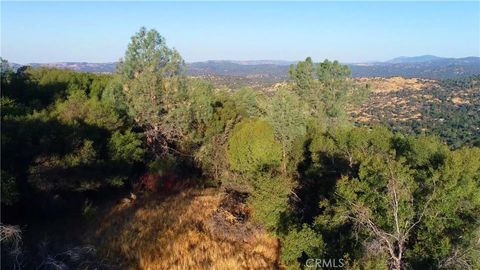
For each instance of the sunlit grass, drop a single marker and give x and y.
(179, 232)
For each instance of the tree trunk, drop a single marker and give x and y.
(397, 264)
(284, 161)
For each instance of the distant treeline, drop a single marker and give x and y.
(277, 71)
(372, 198)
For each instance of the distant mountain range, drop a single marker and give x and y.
(415, 59)
(77, 66)
(425, 66)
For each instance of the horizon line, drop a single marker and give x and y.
(248, 60)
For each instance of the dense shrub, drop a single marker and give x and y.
(299, 245)
(252, 147)
(9, 188)
(269, 199)
(126, 147)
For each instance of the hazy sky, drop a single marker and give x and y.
(346, 31)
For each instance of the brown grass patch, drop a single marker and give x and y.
(190, 230)
(393, 84)
(459, 101)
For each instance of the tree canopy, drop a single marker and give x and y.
(323, 187)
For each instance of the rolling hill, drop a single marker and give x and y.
(426, 66)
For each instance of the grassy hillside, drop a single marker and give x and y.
(447, 108)
(194, 229)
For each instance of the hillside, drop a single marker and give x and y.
(148, 168)
(271, 71)
(428, 68)
(447, 108)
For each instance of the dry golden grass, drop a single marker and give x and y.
(184, 231)
(393, 84)
(459, 101)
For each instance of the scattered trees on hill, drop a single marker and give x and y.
(325, 188)
(59, 134)
(327, 88)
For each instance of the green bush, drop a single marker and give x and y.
(252, 147)
(298, 243)
(269, 199)
(126, 147)
(162, 165)
(9, 188)
(88, 210)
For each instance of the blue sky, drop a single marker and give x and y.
(346, 31)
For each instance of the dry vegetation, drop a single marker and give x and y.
(396, 98)
(393, 84)
(446, 108)
(195, 229)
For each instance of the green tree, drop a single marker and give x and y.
(269, 199)
(303, 76)
(406, 196)
(148, 53)
(327, 88)
(448, 236)
(79, 108)
(298, 243)
(126, 147)
(252, 147)
(246, 101)
(153, 86)
(286, 114)
(381, 202)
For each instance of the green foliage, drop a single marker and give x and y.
(148, 53)
(84, 155)
(9, 193)
(79, 108)
(453, 184)
(55, 131)
(371, 262)
(212, 154)
(194, 114)
(296, 155)
(163, 165)
(269, 199)
(114, 96)
(6, 72)
(11, 108)
(88, 210)
(246, 101)
(49, 172)
(286, 114)
(298, 243)
(154, 91)
(224, 116)
(39, 87)
(116, 181)
(376, 198)
(327, 89)
(126, 147)
(303, 75)
(406, 188)
(252, 147)
(354, 144)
